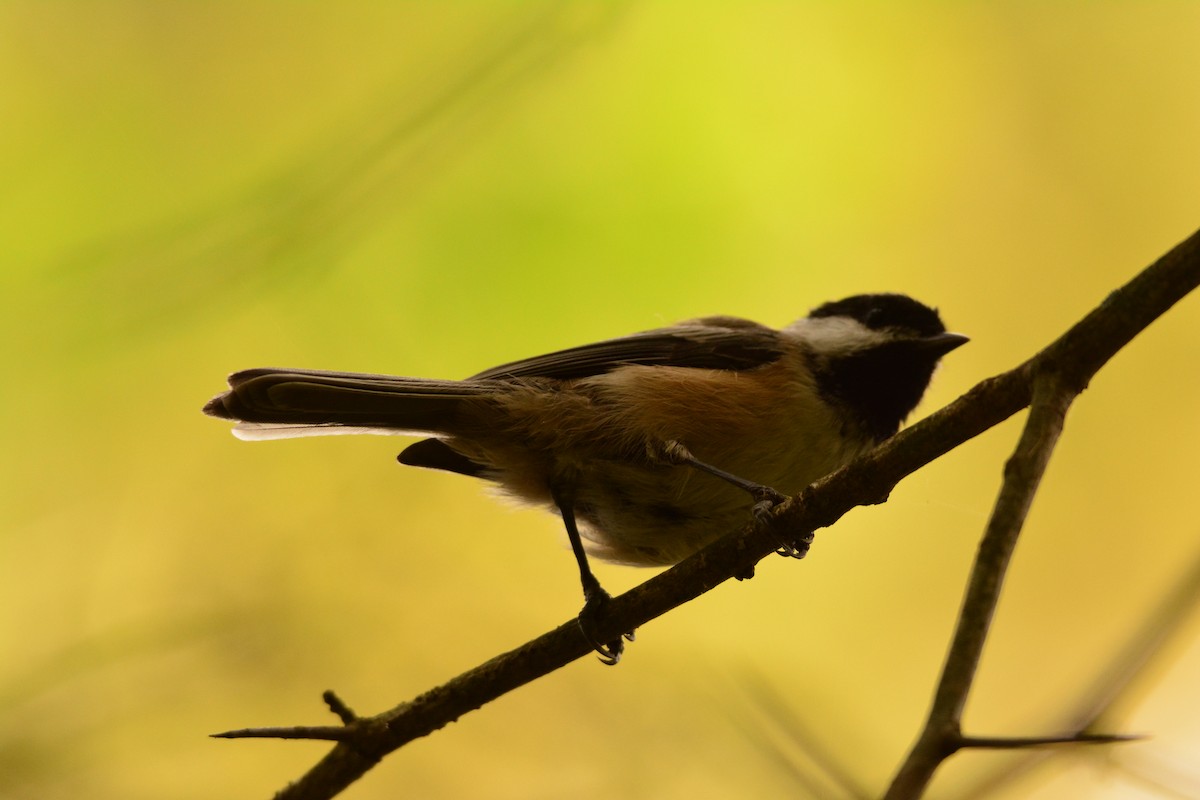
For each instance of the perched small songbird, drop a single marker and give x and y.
(650, 446)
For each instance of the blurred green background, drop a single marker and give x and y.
(431, 188)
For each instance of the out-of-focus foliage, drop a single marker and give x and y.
(431, 188)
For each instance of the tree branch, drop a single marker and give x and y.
(1054, 375)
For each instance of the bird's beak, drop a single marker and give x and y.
(943, 343)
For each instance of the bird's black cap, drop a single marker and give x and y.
(880, 311)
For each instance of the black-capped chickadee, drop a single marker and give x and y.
(650, 446)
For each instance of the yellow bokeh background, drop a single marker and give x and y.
(431, 188)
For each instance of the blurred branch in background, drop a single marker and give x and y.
(1049, 380)
(797, 750)
(292, 225)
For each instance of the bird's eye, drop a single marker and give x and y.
(874, 318)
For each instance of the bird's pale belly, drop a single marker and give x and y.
(659, 515)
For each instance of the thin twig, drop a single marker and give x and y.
(1144, 648)
(311, 732)
(1020, 742)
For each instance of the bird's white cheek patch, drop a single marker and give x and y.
(834, 336)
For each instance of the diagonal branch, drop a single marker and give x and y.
(1069, 362)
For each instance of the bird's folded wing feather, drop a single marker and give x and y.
(709, 343)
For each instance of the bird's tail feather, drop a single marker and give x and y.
(283, 403)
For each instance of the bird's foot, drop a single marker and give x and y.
(765, 500)
(595, 608)
(797, 548)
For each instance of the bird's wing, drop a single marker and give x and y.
(709, 343)
(725, 343)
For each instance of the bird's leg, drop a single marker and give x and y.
(765, 497)
(595, 598)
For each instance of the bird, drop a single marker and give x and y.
(649, 446)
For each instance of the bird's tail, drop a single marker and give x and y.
(283, 403)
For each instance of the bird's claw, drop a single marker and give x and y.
(594, 609)
(798, 548)
(609, 655)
